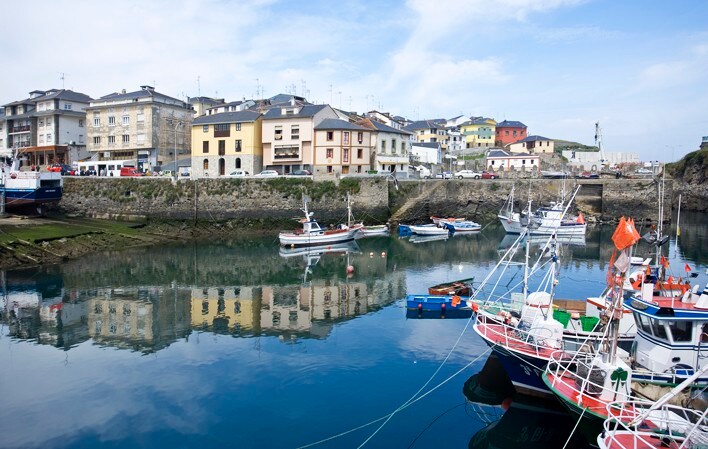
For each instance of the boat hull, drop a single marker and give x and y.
(513, 226)
(524, 372)
(429, 230)
(295, 239)
(25, 197)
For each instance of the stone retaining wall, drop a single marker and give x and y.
(374, 199)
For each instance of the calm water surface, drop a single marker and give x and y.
(238, 344)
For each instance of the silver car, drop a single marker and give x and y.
(462, 174)
(268, 174)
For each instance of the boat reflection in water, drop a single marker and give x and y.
(513, 420)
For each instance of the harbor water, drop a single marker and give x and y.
(240, 343)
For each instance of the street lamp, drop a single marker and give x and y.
(177, 125)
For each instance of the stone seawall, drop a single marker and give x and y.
(248, 200)
(374, 199)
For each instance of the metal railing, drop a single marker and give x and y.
(512, 338)
(632, 425)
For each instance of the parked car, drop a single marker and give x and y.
(468, 174)
(268, 174)
(237, 174)
(301, 173)
(489, 175)
(588, 175)
(64, 169)
(644, 171)
(443, 175)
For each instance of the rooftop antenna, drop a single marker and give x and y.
(340, 99)
(303, 88)
(199, 86)
(258, 87)
(62, 78)
(330, 94)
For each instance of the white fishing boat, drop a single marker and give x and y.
(313, 234)
(428, 229)
(363, 230)
(549, 220)
(462, 226)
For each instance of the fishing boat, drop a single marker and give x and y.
(435, 302)
(545, 221)
(462, 226)
(438, 221)
(29, 188)
(428, 229)
(658, 424)
(313, 234)
(586, 382)
(364, 230)
(461, 287)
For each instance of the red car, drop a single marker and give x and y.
(487, 175)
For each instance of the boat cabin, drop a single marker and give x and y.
(672, 332)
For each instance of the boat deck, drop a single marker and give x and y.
(507, 337)
(565, 388)
(630, 440)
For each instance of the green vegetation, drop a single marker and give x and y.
(697, 159)
(562, 145)
(58, 230)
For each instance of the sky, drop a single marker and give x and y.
(638, 67)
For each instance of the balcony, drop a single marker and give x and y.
(286, 153)
(20, 129)
(222, 133)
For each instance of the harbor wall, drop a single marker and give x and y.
(257, 201)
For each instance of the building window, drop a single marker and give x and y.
(111, 140)
(359, 153)
(222, 130)
(141, 139)
(67, 106)
(383, 146)
(532, 161)
(238, 146)
(403, 148)
(205, 164)
(295, 132)
(49, 138)
(126, 120)
(330, 136)
(278, 133)
(205, 146)
(238, 127)
(81, 123)
(81, 139)
(97, 140)
(345, 155)
(330, 153)
(523, 162)
(360, 137)
(205, 128)
(491, 163)
(222, 147)
(329, 169)
(126, 138)
(96, 121)
(141, 117)
(514, 133)
(506, 133)
(345, 139)
(111, 121)
(41, 123)
(238, 162)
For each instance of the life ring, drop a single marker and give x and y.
(455, 301)
(13, 175)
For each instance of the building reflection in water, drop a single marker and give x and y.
(38, 306)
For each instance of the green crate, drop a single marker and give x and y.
(589, 322)
(561, 316)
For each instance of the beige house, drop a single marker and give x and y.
(341, 148)
(144, 125)
(532, 145)
(288, 136)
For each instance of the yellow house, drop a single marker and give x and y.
(226, 310)
(479, 132)
(222, 143)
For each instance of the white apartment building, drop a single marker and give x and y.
(391, 148)
(48, 127)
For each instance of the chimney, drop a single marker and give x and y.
(122, 91)
(292, 101)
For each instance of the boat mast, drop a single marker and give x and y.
(660, 228)
(528, 250)
(598, 142)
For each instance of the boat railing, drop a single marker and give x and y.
(646, 424)
(531, 340)
(588, 379)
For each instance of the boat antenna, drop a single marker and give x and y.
(598, 142)
(528, 249)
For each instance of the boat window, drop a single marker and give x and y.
(659, 329)
(704, 333)
(681, 330)
(644, 322)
